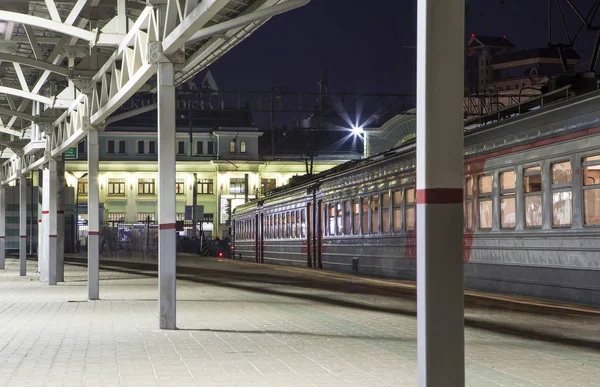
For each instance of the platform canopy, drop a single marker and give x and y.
(67, 65)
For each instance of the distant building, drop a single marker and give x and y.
(494, 65)
(498, 76)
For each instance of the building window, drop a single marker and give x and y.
(199, 147)
(121, 146)
(532, 187)
(409, 210)
(205, 186)
(110, 146)
(562, 199)
(140, 147)
(145, 217)
(242, 146)
(82, 187)
(397, 210)
(485, 202)
(180, 216)
(116, 186)
(180, 147)
(146, 187)
(152, 147)
(507, 199)
(116, 217)
(237, 185)
(469, 203)
(591, 190)
(210, 148)
(82, 147)
(267, 185)
(232, 146)
(179, 187)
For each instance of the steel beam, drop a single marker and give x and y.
(440, 298)
(40, 22)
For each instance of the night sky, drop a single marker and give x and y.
(360, 43)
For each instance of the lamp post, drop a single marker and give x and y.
(75, 245)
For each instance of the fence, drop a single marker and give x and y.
(141, 240)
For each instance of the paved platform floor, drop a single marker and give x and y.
(243, 324)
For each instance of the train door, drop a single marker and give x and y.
(309, 234)
(256, 240)
(319, 249)
(261, 229)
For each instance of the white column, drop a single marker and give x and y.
(49, 221)
(440, 319)
(41, 239)
(166, 197)
(93, 217)
(23, 226)
(60, 216)
(2, 227)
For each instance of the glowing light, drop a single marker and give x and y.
(357, 130)
(220, 254)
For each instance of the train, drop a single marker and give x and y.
(531, 209)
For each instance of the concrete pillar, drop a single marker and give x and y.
(93, 217)
(41, 240)
(23, 226)
(440, 318)
(2, 227)
(49, 222)
(166, 197)
(60, 216)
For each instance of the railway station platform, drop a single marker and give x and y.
(245, 324)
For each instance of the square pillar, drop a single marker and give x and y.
(440, 313)
(2, 228)
(60, 216)
(93, 217)
(23, 225)
(166, 197)
(49, 222)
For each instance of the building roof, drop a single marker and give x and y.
(489, 41)
(540, 52)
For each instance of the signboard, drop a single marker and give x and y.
(71, 153)
(199, 212)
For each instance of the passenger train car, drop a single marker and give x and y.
(531, 209)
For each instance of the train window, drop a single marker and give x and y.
(562, 196)
(385, 213)
(469, 203)
(303, 223)
(375, 214)
(409, 211)
(397, 210)
(507, 199)
(591, 189)
(332, 219)
(532, 187)
(485, 201)
(293, 224)
(347, 216)
(365, 216)
(340, 219)
(288, 225)
(355, 215)
(561, 173)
